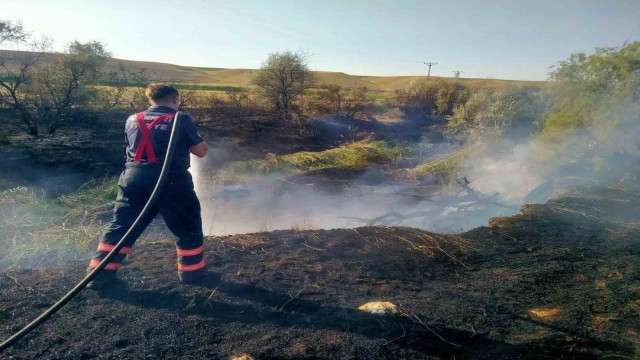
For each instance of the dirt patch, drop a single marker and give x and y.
(524, 288)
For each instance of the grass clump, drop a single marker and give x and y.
(95, 192)
(446, 169)
(36, 230)
(352, 156)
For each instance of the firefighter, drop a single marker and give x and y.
(147, 137)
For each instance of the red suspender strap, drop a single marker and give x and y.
(145, 143)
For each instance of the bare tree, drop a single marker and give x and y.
(66, 84)
(283, 77)
(12, 32)
(45, 94)
(123, 88)
(18, 71)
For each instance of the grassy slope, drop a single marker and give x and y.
(403, 82)
(241, 77)
(36, 230)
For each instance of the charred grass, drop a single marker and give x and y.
(558, 281)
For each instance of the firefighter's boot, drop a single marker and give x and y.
(105, 279)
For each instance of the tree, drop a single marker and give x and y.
(282, 78)
(67, 83)
(597, 93)
(123, 88)
(18, 70)
(12, 32)
(595, 118)
(42, 91)
(45, 94)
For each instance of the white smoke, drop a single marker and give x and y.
(274, 203)
(501, 177)
(513, 172)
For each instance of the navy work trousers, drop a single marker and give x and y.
(177, 203)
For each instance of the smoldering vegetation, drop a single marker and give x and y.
(439, 156)
(379, 194)
(497, 150)
(450, 189)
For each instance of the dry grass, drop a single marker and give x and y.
(403, 82)
(36, 230)
(445, 168)
(427, 243)
(242, 77)
(546, 313)
(351, 156)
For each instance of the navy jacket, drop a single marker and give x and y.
(187, 136)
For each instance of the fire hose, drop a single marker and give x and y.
(83, 283)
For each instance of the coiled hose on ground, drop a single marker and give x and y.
(82, 284)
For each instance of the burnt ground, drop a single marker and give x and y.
(560, 281)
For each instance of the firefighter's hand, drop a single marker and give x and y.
(200, 150)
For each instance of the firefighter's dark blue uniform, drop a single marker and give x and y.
(177, 201)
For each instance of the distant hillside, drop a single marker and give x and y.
(242, 77)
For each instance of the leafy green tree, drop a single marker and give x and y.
(596, 93)
(595, 120)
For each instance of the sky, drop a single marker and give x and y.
(504, 39)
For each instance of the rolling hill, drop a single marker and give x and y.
(242, 77)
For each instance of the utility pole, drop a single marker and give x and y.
(457, 73)
(430, 64)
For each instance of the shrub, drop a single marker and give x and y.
(424, 100)
(489, 114)
(596, 114)
(596, 92)
(334, 101)
(446, 169)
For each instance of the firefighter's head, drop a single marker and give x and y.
(163, 95)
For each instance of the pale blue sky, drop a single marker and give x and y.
(514, 39)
